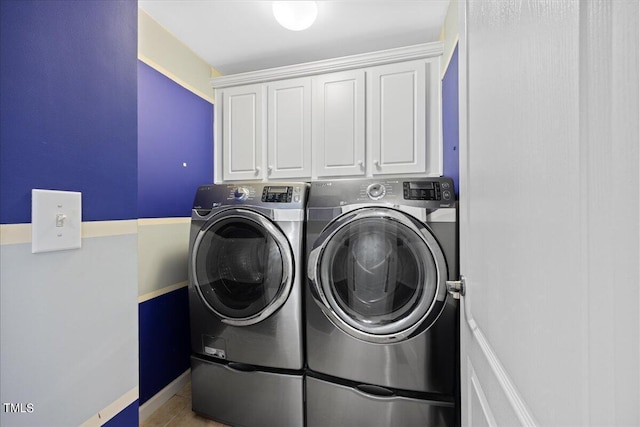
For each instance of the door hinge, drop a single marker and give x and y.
(456, 287)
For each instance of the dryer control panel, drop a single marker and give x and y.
(428, 190)
(278, 194)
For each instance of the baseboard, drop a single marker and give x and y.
(163, 396)
(113, 409)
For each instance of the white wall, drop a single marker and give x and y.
(163, 246)
(161, 50)
(449, 35)
(80, 318)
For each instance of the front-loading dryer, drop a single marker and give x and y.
(381, 328)
(245, 300)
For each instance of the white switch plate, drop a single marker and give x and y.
(56, 220)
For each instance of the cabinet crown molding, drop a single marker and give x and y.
(408, 53)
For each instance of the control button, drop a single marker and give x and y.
(376, 191)
(445, 185)
(446, 195)
(296, 198)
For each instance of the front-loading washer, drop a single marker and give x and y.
(245, 300)
(381, 327)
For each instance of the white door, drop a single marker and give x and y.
(289, 129)
(549, 212)
(242, 132)
(338, 124)
(398, 117)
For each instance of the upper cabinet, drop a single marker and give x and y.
(339, 124)
(265, 132)
(289, 128)
(366, 115)
(398, 118)
(242, 132)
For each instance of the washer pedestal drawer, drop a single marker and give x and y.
(331, 404)
(246, 398)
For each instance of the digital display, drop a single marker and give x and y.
(420, 185)
(277, 194)
(421, 190)
(277, 190)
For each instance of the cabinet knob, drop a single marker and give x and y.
(257, 170)
(377, 163)
(269, 169)
(361, 164)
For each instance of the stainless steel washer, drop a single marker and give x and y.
(245, 300)
(380, 324)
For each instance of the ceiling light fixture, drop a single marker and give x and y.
(295, 15)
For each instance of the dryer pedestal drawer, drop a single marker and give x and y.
(246, 398)
(330, 404)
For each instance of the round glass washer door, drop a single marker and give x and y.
(379, 275)
(242, 266)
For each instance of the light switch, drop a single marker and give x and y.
(56, 220)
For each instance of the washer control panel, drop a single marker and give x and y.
(285, 195)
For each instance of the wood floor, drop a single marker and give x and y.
(177, 413)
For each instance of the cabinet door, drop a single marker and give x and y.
(242, 132)
(338, 124)
(289, 129)
(397, 118)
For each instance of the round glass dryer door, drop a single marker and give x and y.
(242, 267)
(379, 275)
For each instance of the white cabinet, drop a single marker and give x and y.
(339, 124)
(242, 132)
(289, 129)
(397, 118)
(399, 104)
(367, 115)
(266, 130)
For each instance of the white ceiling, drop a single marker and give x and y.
(235, 36)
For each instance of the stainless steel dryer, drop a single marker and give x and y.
(245, 299)
(382, 334)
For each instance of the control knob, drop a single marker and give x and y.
(240, 194)
(376, 191)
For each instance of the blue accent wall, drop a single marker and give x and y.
(68, 105)
(175, 127)
(68, 121)
(175, 145)
(128, 417)
(79, 112)
(450, 121)
(165, 343)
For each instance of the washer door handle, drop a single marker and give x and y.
(457, 288)
(375, 390)
(241, 367)
(312, 264)
(312, 275)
